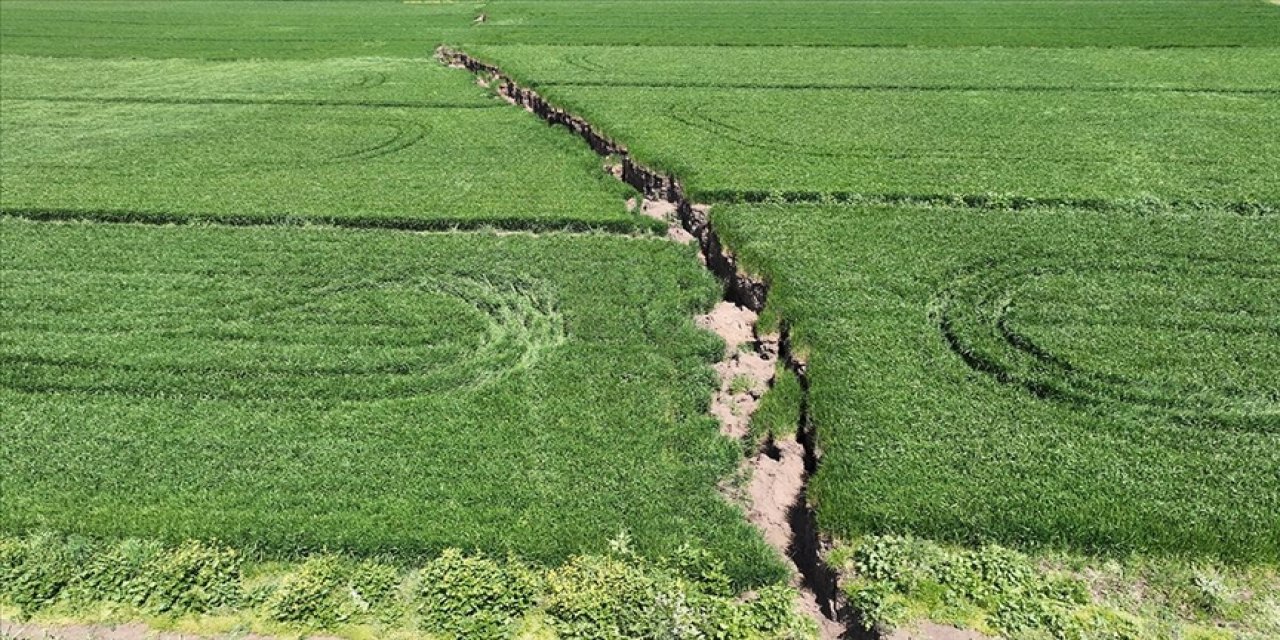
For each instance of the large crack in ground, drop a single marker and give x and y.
(776, 496)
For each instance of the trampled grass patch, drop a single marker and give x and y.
(1103, 382)
(369, 142)
(376, 392)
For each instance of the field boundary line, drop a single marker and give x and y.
(496, 226)
(910, 87)
(989, 202)
(283, 102)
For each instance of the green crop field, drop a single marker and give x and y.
(230, 29)
(1073, 125)
(1096, 380)
(383, 393)
(1037, 23)
(368, 142)
(301, 330)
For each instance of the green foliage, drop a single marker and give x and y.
(231, 29)
(1104, 382)
(283, 378)
(753, 70)
(740, 383)
(613, 598)
(38, 569)
(338, 28)
(879, 23)
(192, 577)
(779, 412)
(988, 128)
(454, 595)
(354, 142)
(473, 596)
(45, 569)
(327, 590)
(894, 577)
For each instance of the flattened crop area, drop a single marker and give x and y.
(364, 142)
(1104, 381)
(363, 390)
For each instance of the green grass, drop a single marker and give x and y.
(1038, 23)
(363, 142)
(375, 392)
(897, 579)
(350, 28)
(1123, 69)
(231, 29)
(779, 413)
(1075, 377)
(1104, 382)
(1087, 127)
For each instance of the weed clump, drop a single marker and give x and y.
(896, 579)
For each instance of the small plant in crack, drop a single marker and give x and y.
(741, 384)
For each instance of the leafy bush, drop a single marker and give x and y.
(891, 575)
(685, 596)
(194, 577)
(621, 594)
(37, 570)
(473, 596)
(118, 571)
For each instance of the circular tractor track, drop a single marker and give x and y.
(975, 313)
(294, 346)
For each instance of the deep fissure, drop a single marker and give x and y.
(781, 468)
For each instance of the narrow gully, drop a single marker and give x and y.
(777, 495)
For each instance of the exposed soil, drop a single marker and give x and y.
(933, 631)
(669, 213)
(747, 370)
(776, 493)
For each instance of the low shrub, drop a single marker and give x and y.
(621, 594)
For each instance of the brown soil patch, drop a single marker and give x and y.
(776, 485)
(745, 374)
(733, 323)
(667, 212)
(933, 631)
